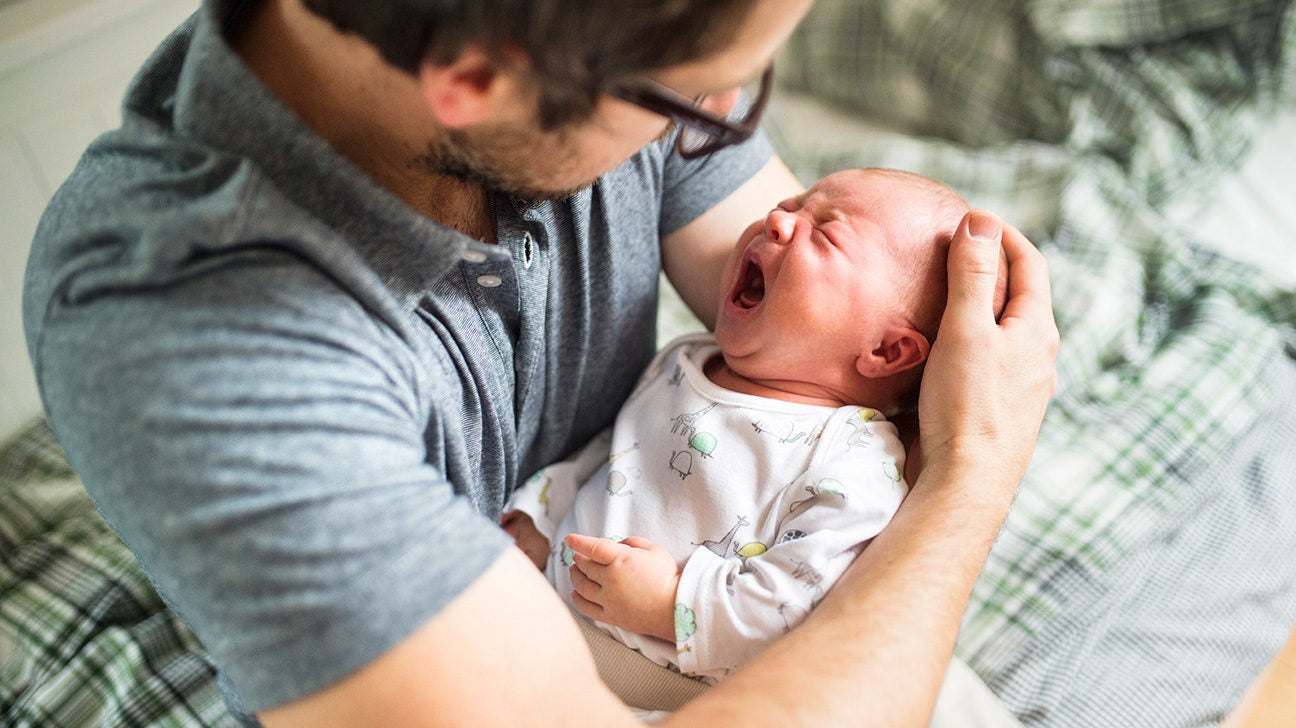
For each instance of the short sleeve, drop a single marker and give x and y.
(265, 460)
(691, 187)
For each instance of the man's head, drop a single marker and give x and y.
(517, 89)
(575, 47)
(844, 285)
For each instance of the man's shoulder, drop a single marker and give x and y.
(144, 212)
(165, 261)
(140, 179)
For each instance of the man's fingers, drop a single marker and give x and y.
(1029, 290)
(974, 268)
(599, 550)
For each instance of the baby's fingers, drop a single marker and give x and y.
(590, 569)
(587, 608)
(599, 550)
(585, 586)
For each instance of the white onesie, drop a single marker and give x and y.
(763, 503)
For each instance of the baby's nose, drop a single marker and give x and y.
(780, 226)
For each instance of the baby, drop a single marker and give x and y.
(749, 468)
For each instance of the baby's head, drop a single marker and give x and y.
(841, 289)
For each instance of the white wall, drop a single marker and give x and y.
(63, 67)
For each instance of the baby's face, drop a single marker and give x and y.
(809, 281)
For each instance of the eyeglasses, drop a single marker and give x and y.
(702, 131)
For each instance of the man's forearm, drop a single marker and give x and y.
(875, 651)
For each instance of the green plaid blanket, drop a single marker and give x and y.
(1101, 127)
(1142, 577)
(84, 639)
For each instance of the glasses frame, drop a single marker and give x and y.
(689, 112)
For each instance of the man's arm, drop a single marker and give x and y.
(694, 256)
(505, 650)
(1271, 699)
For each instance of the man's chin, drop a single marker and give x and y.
(440, 161)
(540, 195)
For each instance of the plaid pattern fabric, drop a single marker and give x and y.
(84, 639)
(1100, 128)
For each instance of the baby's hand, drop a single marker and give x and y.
(523, 530)
(630, 584)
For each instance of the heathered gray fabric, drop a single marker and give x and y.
(289, 393)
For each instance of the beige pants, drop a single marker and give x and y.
(653, 691)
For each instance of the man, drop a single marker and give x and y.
(348, 273)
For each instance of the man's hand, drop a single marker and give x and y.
(630, 584)
(987, 383)
(528, 538)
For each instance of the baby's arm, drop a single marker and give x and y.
(720, 611)
(730, 607)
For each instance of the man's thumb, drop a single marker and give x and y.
(973, 265)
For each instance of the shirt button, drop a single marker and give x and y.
(489, 281)
(474, 256)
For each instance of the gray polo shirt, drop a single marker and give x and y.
(301, 404)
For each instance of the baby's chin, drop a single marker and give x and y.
(728, 336)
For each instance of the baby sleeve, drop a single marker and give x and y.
(730, 605)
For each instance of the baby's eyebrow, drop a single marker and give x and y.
(796, 201)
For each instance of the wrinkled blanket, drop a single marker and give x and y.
(1145, 572)
(84, 639)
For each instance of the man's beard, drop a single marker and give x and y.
(454, 157)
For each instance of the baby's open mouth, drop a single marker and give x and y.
(751, 285)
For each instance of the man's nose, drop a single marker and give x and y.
(780, 225)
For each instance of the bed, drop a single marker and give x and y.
(1144, 576)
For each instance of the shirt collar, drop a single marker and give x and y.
(219, 102)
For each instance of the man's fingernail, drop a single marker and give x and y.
(985, 227)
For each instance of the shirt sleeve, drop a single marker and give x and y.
(265, 461)
(731, 606)
(691, 187)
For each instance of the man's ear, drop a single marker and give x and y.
(900, 349)
(472, 88)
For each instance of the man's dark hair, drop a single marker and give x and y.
(575, 46)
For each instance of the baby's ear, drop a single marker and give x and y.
(900, 349)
